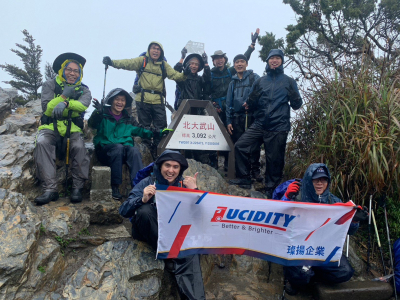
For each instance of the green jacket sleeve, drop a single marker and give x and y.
(140, 131)
(133, 64)
(172, 74)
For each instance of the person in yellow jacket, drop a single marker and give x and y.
(61, 95)
(152, 71)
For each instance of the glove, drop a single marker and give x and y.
(97, 105)
(69, 91)
(205, 58)
(361, 214)
(217, 107)
(107, 61)
(165, 131)
(183, 52)
(254, 37)
(187, 70)
(58, 110)
(292, 93)
(293, 190)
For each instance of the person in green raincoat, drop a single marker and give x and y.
(59, 96)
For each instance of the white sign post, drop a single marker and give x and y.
(198, 133)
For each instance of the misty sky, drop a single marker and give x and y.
(123, 29)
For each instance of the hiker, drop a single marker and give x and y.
(270, 99)
(114, 144)
(221, 76)
(141, 208)
(150, 101)
(314, 188)
(194, 86)
(237, 118)
(61, 95)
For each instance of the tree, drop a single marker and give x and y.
(29, 79)
(337, 35)
(49, 72)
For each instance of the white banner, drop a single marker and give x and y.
(198, 133)
(287, 233)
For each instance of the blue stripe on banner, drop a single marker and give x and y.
(328, 259)
(263, 256)
(174, 212)
(201, 198)
(161, 187)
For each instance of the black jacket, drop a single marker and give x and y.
(269, 99)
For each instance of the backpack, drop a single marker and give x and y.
(142, 174)
(396, 254)
(177, 96)
(136, 86)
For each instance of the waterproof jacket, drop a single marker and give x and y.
(238, 91)
(220, 81)
(194, 87)
(151, 78)
(51, 96)
(269, 98)
(111, 131)
(307, 191)
(134, 200)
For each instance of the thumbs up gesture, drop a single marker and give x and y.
(191, 182)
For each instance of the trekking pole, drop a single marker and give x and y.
(245, 127)
(67, 135)
(369, 235)
(379, 241)
(105, 76)
(390, 245)
(347, 246)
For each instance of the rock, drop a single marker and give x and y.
(234, 190)
(47, 268)
(5, 105)
(21, 122)
(103, 212)
(19, 227)
(61, 217)
(354, 260)
(12, 92)
(16, 163)
(34, 108)
(208, 179)
(117, 270)
(257, 194)
(360, 290)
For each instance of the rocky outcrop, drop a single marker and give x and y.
(5, 105)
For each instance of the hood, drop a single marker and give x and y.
(118, 91)
(169, 155)
(307, 188)
(61, 72)
(162, 50)
(275, 52)
(245, 75)
(198, 56)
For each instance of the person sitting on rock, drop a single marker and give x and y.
(64, 94)
(141, 208)
(314, 188)
(113, 142)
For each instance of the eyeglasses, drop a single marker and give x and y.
(322, 180)
(69, 70)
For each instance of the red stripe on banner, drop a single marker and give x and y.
(254, 224)
(177, 244)
(317, 229)
(347, 216)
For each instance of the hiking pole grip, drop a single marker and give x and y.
(105, 77)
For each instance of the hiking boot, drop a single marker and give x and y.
(115, 192)
(290, 289)
(257, 177)
(46, 198)
(241, 182)
(76, 196)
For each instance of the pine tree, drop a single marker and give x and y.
(29, 79)
(49, 72)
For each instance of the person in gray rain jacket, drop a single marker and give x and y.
(62, 96)
(238, 119)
